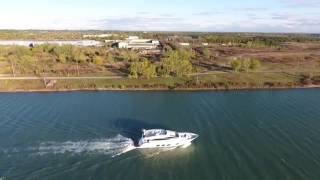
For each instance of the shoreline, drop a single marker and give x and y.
(157, 89)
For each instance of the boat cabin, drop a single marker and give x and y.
(158, 134)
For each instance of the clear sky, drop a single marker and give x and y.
(160, 15)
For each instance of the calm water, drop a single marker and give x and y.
(243, 135)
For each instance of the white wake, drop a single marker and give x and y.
(110, 146)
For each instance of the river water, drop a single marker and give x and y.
(84, 135)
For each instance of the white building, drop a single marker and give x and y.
(99, 35)
(138, 44)
(112, 41)
(132, 38)
(122, 45)
(184, 44)
(29, 43)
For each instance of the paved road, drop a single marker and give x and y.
(59, 78)
(9, 77)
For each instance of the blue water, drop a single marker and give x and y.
(79, 135)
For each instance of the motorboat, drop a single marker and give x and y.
(161, 138)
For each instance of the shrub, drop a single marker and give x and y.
(236, 65)
(176, 63)
(110, 58)
(142, 69)
(245, 65)
(255, 64)
(98, 60)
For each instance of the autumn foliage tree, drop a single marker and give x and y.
(176, 63)
(245, 65)
(142, 68)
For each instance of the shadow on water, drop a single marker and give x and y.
(132, 128)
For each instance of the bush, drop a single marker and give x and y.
(2, 58)
(255, 64)
(245, 65)
(236, 65)
(129, 56)
(79, 56)
(110, 59)
(142, 69)
(206, 53)
(306, 80)
(98, 60)
(176, 63)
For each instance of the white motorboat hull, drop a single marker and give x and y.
(169, 143)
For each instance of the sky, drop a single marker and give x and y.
(302, 16)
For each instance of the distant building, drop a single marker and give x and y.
(122, 45)
(99, 35)
(184, 44)
(132, 38)
(32, 43)
(133, 43)
(112, 41)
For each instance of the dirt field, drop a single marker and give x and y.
(290, 57)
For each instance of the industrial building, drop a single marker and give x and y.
(31, 43)
(136, 44)
(184, 44)
(99, 35)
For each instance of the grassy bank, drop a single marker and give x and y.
(223, 81)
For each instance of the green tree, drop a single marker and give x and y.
(206, 54)
(21, 51)
(63, 58)
(149, 70)
(176, 63)
(63, 53)
(27, 63)
(143, 69)
(79, 56)
(134, 70)
(184, 68)
(97, 60)
(110, 58)
(12, 59)
(245, 65)
(129, 56)
(167, 48)
(2, 58)
(236, 65)
(255, 64)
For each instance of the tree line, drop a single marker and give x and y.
(256, 41)
(54, 59)
(173, 63)
(43, 59)
(245, 65)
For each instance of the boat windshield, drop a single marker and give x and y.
(155, 132)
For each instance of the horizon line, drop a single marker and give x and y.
(154, 31)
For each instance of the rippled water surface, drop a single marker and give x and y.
(85, 135)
